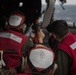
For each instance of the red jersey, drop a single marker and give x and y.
(11, 40)
(69, 46)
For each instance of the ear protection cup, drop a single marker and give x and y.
(22, 28)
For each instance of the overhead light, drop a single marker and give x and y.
(20, 4)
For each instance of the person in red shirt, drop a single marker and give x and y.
(65, 50)
(13, 39)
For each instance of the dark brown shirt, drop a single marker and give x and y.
(64, 62)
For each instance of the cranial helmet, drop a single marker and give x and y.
(41, 59)
(16, 20)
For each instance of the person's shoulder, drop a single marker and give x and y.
(29, 42)
(62, 53)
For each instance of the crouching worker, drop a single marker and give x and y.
(13, 39)
(40, 59)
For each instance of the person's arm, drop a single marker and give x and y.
(27, 46)
(40, 35)
(63, 61)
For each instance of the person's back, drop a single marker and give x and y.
(13, 39)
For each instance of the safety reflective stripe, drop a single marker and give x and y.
(73, 46)
(11, 36)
